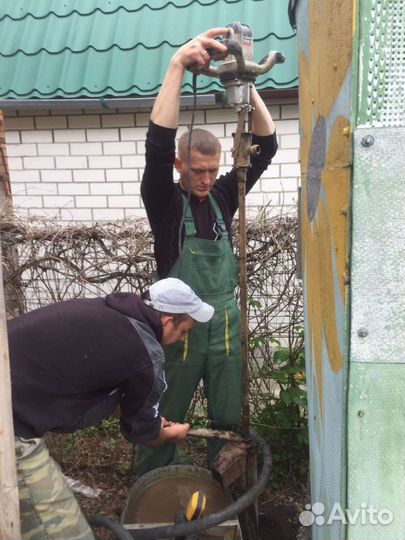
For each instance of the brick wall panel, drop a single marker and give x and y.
(89, 121)
(90, 162)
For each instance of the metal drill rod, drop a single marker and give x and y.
(241, 154)
(204, 433)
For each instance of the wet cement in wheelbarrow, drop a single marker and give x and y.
(160, 502)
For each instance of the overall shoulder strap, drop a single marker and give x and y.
(218, 214)
(189, 227)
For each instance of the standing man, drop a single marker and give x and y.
(191, 224)
(72, 364)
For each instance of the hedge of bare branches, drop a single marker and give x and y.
(44, 262)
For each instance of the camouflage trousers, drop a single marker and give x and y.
(48, 509)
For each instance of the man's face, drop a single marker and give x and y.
(202, 172)
(175, 332)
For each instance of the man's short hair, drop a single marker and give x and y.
(201, 140)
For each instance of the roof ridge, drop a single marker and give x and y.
(78, 51)
(121, 48)
(132, 88)
(274, 34)
(106, 12)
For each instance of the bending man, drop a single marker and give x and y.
(72, 364)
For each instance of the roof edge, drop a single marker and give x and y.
(105, 103)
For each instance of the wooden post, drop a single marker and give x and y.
(12, 293)
(9, 505)
(6, 204)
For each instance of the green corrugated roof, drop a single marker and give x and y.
(99, 48)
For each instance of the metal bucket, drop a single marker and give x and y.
(156, 498)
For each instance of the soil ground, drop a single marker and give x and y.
(105, 463)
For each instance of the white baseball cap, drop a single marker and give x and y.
(171, 295)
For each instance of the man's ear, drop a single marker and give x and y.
(178, 164)
(166, 319)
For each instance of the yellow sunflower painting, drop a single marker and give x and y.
(325, 56)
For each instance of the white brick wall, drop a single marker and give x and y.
(87, 165)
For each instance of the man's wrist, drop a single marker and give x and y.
(176, 63)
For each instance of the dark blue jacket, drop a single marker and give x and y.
(72, 364)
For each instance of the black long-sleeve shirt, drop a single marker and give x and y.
(162, 197)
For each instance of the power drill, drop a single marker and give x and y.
(238, 72)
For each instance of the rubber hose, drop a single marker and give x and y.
(231, 511)
(111, 525)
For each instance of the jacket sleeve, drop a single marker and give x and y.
(143, 425)
(140, 417)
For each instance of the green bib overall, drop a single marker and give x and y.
(211, 351)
